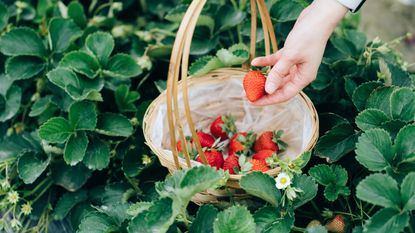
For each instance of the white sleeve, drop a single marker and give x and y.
(353, 5)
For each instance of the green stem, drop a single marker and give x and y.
(315, 207)
(234, 4)
(43, 192)
(37, 187)
(299, 229)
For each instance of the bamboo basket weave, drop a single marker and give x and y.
(176, 107)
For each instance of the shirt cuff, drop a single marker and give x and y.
(353, 5)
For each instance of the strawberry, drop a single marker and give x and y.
(222, 127)
(254, 85)
(263, 154)
(337, 224)
(206, 140)
(214, 158)
(231, 164)
(269, 140)
(190, 145)
(241, 143)
(259, 165)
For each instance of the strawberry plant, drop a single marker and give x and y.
(77, 76)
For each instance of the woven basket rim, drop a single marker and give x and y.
(215, 76)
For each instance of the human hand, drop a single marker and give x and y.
(296, 64)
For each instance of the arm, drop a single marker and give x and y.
(296, 64)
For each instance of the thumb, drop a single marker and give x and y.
(277, 73)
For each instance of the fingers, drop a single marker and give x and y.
(267, 60)
(277, 74)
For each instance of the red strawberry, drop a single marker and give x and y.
(337, 224)
(269, 140)
(254, 85)
(241, 142)
(222, 127)
(214, 158)
(263, 154)
(189, 143)
(231, 164)
(259, 165)
(206, 140)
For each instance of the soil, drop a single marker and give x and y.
(390, 19)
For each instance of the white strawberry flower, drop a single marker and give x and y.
(282, 181)
(12, 197)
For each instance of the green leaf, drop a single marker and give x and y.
(132, 164)
(56, 130)
(271, 220)
(408, 192)
(337, 142)
(261, 185)
(4, 16)
(286, 10)
(324, 78)
(138, 208)
(31, 165)
(76, 87)
(125, 99)
(10, 102)
(402, 104)
(235, 55)
(183, 185)
(236, 219)
(24, 67)
(371, 118)
(96, 222)
(161, 85)
(75, 148)
(97, 156)
(316, 229)
(83, 115)
(379, 189)
(374, 150)
(22, 41)
(101, 45)
(387, 221)
(157, 218)
(62, 32)
(122, 66)
(77, 13)
(204, 65)
(380, 99)
(203, 223)
(404, 143)
(362, 93)
(81, 62)
(67, 202)
(308, 187)
(228, 17)
(41, 105)
(63, 175)
(176, 15)
(112, 124)
(323, 174)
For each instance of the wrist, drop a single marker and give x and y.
(328, 14)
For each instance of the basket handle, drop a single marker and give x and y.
(181, 53)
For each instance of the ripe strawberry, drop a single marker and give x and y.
(259, 165)
(240, 143)
(222, 127)
(337, 224)
(190, 145)
(214, 158)
(269, 140)
(263, 154)
(231, 164)
(206, 140)
(254, 85)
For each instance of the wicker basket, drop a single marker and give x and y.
(200, 99)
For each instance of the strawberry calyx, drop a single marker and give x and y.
(276, 138)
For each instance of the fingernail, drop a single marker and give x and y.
(254, 61)
(270, 87)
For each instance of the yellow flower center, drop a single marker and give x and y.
(283, 180)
